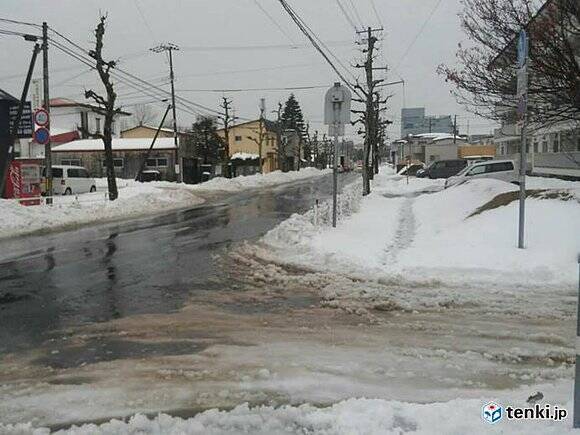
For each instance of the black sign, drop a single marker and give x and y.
(26, 127)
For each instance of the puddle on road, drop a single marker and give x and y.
(104, 349)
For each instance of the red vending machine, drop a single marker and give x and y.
(24, 181)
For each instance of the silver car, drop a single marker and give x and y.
(504, 170)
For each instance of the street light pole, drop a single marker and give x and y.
(170, 48)
(47, 148)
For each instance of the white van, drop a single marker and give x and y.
(70, 180)
(504, 170)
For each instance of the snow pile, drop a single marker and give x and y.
(419, 234)
(245, 156)
(353, 416)
(259, 180)
(135, 200)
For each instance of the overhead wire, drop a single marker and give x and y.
(419, 33)
(346, 15)
(313, 39)
(276, 23)
(118, 72)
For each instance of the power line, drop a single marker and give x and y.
(118, 72)
(24, 23)
(138, 7)
(374, 7)
(258, 47)
(419, 33)
(313, 39)
(290, 88)
(271, 18)
(346, 15)
(360, 21)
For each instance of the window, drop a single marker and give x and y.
(98, 124)
(477, 170)
(499, 167)
(544, 145)
(556, 146)
(73, 173)
(118, 162)
(56, 172)
(158, 162)
(238, 138)
(70, 162)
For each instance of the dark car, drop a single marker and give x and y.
(150, 175)
(444, 168)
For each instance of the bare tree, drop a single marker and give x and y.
(106, 105)
(485, 79)
(144, 114)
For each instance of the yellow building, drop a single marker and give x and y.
(244, 140)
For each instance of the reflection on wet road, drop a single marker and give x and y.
(147, 266)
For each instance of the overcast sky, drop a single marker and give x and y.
(218, 40)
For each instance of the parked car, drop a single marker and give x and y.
(504, 170)
(443, 168)
(412, 169)
(149, 175)
(69, 180)
(477, 159)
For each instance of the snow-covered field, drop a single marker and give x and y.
(417, 233)
(135, 200)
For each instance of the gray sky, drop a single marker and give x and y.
(235, 28)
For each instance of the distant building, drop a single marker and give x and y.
(128, 156)
(244, 147)
(427, 147)
(414, 121)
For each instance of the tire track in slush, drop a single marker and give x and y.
(405, 233)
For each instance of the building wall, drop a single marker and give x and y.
(144, 132)
(240, 142)
(69, 118)
(132, 160)
(440, 152)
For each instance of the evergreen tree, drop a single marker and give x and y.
(205, 140)
(292, 118)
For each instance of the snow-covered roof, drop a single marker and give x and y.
(149, 127)
(118, 145)
(437, 136)
(244, 156)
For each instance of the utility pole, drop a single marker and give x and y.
(169, 47)
(281, 148)
(227, 120)
(45, 84)
(455, 130)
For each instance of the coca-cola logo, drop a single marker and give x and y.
(16, 180)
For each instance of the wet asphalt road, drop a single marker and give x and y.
(150, 265)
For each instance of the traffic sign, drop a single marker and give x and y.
(337, 104)
(41, 117)
(42, 136)
(523, 48)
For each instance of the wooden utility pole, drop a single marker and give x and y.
(46, 105)
(455, 130)
(227, 120)
(281, 147)
(171, 48)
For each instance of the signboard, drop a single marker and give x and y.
(337, 98)
(41, 118)
(42, 136)
(26, 128)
